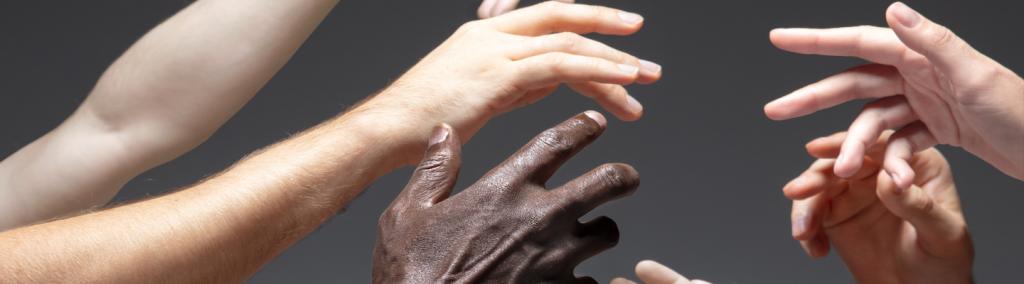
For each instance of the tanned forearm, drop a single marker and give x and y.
(222, 229)
(167, 94)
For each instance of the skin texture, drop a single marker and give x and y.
(651, 272)
(225, 228)
(929, 85)
(507, 227)
(884, 234)
(167, 94)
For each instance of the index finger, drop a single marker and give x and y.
(553, 16)
(875, 44)
(543, 155)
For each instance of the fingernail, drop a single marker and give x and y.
(630, 18)
(596, 117)
(650, 66)
(800, 226)
(629, 69)
(633, 105)
(905, 15)
(440, 135)
(896, 180)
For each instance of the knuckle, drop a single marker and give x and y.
(556, 140)
(941, 36)
(569, 41)
(621, 177)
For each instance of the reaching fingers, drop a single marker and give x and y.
(437, 173)
(868, 81)
(551, 17)
(875, 44)
(877, 117)
(942, 47)
(611, 97)
(651, 272)
(620, 280)
(572, 43)
(902, 145)
(937, 227)
(543, 155)
(816, 179)
(828, 147)
(599, 186)
(558, 67)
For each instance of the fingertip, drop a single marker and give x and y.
(776, 34)
(848, 163)
(620, 280)
(597, 117)
(634, 108)
(901, 175)
(899, 15)
(774, 112)
(484, 11)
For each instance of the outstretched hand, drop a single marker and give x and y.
(930, 85)
(508, 227)
(884, 234)
(496, 65)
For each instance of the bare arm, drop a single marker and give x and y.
(220, 230)
(167, 94)
(227, 227)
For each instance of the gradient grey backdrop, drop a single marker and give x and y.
(710, 203)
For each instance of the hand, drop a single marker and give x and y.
(651, 272)
(494, 8)
(883, 233)
(508, 227)
(492, 66)
(933, 87)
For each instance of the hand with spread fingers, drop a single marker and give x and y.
(651, 272)
(930, 85)
(884, 234)
(492, 66)
(507, 227)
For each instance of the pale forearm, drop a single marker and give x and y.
(166, 95)
(222, 229)
(186, 77)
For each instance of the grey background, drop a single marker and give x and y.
(710, 203)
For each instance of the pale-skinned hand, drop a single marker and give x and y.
(929, 85)
(883, 233)
(488, 67)
(651, 272)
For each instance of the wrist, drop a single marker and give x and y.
(397, 132)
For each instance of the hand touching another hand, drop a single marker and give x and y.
(496, 65)
(931, 86)
(508, 227)
(883, 233)
(651, 272)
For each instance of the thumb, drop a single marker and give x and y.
(937, 228)
(436, 175)
(941, 46)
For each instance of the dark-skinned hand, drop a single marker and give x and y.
(508, 227)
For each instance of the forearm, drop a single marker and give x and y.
(179, 83)
(167, 94)
(223, 229)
